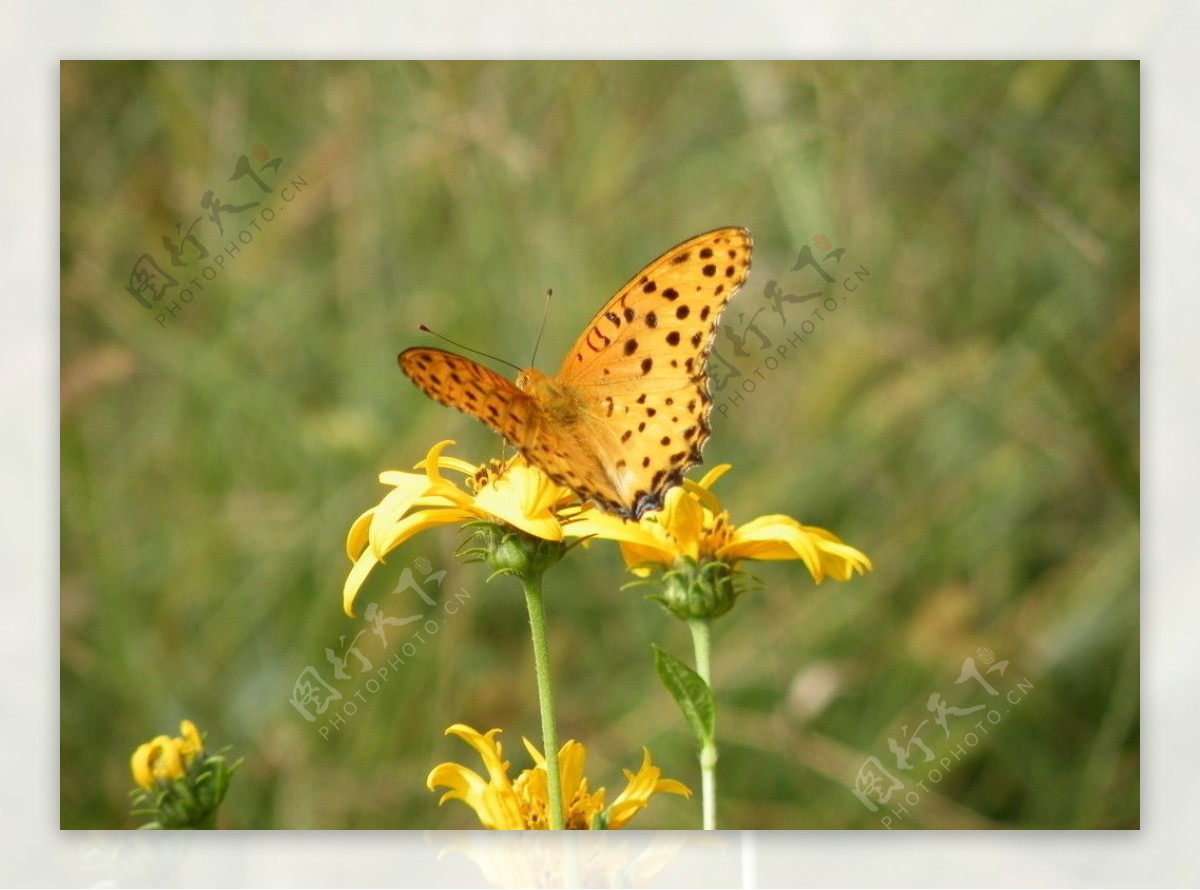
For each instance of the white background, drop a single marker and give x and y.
(1164, 35)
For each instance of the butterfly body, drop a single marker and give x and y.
(627, 413)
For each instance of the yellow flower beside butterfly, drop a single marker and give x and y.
(512, 492)
(522, 803)
(693, 529)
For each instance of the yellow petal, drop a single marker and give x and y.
(781, 537)
(700, 489)
(358, 574)
(671, 786)
(523, 499)
(457, 463)
(774, 537)
(540, 492)
(356, 540)
(428, 518)
(395, 504)
(486, 746)
(432, 462)
(841, 561)
(192, 745)
(640, 789)
(534, 754)
(139, 764)
(572, 758)
(464, 784)
(710, 478)
(683, 518)
(636, 556)
(592, 523)
(641, 542)
(395, 478)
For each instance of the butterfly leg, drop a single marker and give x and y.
(647, 503)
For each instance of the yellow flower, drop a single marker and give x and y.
(513, 492)
(501, 803)
(164, 758)
(694, 524)
(156, 760)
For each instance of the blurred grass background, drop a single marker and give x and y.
(968, 417)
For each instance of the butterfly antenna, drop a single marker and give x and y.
(494, 358)
(545, 315)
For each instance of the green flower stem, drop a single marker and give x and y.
(702, 643)
(541, 661)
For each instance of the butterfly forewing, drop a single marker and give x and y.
(667, 311)
(473, 389)
(640, 369)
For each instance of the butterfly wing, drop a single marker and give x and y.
(473, 389)
(560, 447)
(640, 369)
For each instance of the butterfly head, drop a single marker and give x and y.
(534, 382)
(555, 398)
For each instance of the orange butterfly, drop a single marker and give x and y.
(628, 411)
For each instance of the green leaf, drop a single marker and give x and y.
(691, 692)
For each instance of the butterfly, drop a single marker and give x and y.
(627, 413)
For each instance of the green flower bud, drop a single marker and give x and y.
(509, 551)
(692, 589)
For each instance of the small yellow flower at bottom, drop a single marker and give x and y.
(165, 758)
(501, 803)
(179, 784)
